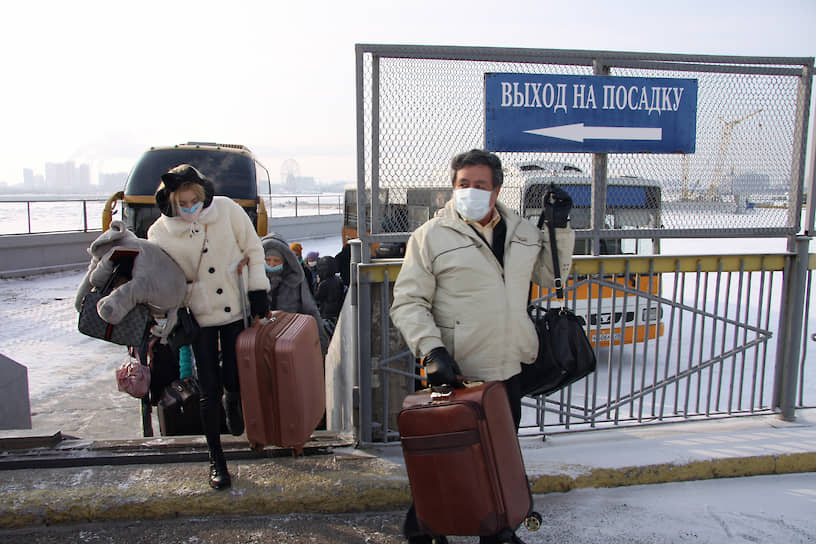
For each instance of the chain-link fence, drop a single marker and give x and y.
(419, 106)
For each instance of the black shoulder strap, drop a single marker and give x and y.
(559, 288)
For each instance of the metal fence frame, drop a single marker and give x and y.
(790, 349)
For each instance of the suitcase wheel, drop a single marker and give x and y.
(533, 521)
(256, 447)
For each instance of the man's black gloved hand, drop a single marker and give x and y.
(441, 368)
(557, 205)
(258, 304)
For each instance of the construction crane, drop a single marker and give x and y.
(719, 170)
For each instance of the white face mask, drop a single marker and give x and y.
(473, 204)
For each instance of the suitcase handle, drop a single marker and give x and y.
(441, 394)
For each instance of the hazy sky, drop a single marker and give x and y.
(101, 81)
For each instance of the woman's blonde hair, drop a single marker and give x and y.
(196, 188)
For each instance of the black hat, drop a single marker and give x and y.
(172, 180)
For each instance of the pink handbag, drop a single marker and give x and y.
(133, 378)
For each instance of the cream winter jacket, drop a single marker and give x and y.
(230, 237)
(453, 292)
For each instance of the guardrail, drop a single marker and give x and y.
(298, 205)
(35, 216)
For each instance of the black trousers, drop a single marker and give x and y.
(513, 387)
(216, 374)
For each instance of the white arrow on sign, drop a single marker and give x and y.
(578, 133)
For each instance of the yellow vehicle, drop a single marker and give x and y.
(233, 169)
(631, 203)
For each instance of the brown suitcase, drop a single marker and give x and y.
(280, 368)
(464, 461)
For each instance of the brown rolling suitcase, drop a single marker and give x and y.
(464, 461)
(280, 368)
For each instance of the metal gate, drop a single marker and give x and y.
(731, 327)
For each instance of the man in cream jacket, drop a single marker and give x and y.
(460, 300)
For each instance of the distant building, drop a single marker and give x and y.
(66, 177)
(28, 178)
(112, 181)
(84, 177)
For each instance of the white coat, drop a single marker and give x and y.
(452, 292)
(230, 237)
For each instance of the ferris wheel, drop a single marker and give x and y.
(289, 169)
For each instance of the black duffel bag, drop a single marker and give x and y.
(564, 353)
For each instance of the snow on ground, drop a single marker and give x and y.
(39, 329)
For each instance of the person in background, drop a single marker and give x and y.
(330, 291)
(288, 289)
(208, 236)
(343, 260)
(297, 249)
(311, 265)
(460, 300)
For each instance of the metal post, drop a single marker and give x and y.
(296, 206)
(28, 215)
(599, 162)
(85, 215)
(790, 330)
(361, 338)
(364, 351)
(354, 246)
(375, 149)
(810, 183)
(318, 204)
(800, 139)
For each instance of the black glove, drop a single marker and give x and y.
(441, 368)
(258, 304)
(557, 205)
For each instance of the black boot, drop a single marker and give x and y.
(219, 476)
(411, 531)
(235, 415)
(505, 536)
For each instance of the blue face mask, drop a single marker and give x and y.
(191, 210)
(273, 269)
(190, 214)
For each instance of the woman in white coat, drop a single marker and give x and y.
(207, 236)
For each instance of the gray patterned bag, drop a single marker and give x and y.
(128, 332)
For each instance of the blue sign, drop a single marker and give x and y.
(589, 114)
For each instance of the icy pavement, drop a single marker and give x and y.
(767, 509)
(71, 379)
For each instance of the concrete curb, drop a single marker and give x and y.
(327, 484)
(319, 484)
(735, 467)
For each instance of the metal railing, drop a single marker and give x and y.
(49, 216)
(723, 322)
(301, 205)
(85, 214)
